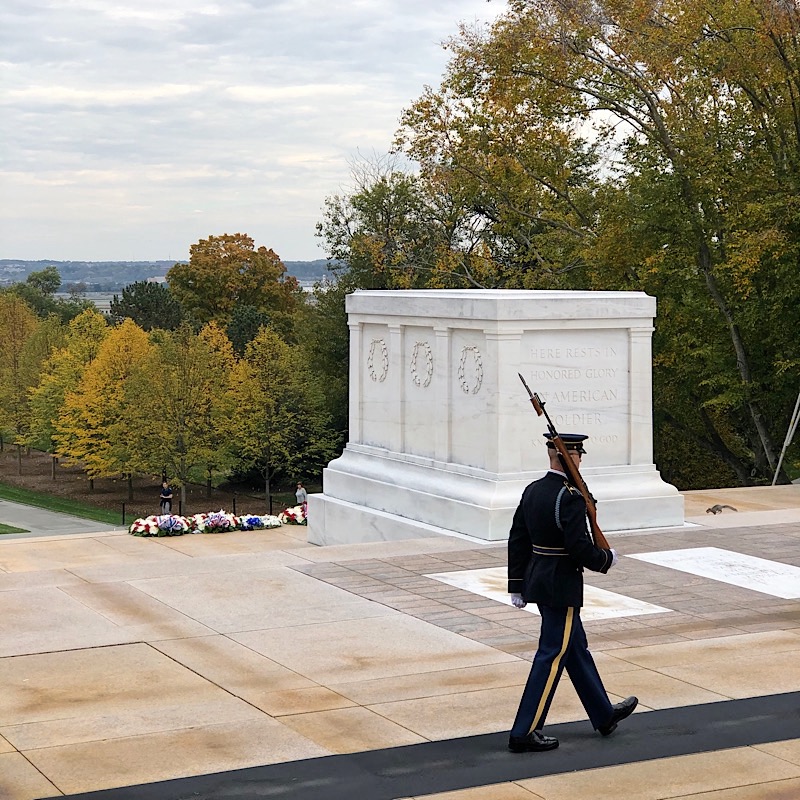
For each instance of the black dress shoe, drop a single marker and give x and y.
(618, 713)
(534, 742)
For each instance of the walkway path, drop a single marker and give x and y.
(256, 665)
(39, 521)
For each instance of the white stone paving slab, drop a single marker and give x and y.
(736, 569)
(599, 604)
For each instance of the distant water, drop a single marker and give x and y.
(102, 300)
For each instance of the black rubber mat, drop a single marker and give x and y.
(454, 764)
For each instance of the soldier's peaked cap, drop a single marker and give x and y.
(572, 441)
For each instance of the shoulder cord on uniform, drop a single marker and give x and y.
(558, 508)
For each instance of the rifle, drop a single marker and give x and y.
(569, 468)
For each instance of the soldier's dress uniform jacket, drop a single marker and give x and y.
(548, 548)
(549, 545)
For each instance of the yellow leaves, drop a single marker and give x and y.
(181, 411)
(270, 359)
(122, 350)
(749, 251)
(226, 271)
(85, 334)
(61, 374)
(95, 421)
(18, 325)
(218, 343)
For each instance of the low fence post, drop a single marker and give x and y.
(180, 508)
(234, 505)
(123, 513)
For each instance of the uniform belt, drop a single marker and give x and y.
(541, 550)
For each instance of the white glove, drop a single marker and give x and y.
(518, 601)
(614, 557)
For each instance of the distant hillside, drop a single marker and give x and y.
(110, 276)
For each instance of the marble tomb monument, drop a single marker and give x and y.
(443, 438)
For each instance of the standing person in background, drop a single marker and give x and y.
(166, 498)
(548, 548)
(302, 496)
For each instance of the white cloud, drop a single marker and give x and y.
(70, 95)
(132, 129)
(270, 94)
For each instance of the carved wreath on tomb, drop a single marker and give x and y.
(421, 375)
(378, 373)
(470, 378)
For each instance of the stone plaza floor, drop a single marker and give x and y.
(248, 665)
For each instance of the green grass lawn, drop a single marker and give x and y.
(62, 504)
(11, 529)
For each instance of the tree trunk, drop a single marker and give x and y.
(130, 486)
(53, 467)
(650, 115)
(91, 484)
(713, 444)
(19, 459)
(208, 484)
(743, 365)
(183, 474)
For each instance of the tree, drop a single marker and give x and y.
(180, 420)
(653, 146)
(280, 426)
(324, 350)
(226, 271)
(97, 426)
(243, 326)
(61, 373)
(150, 305)
(396, 230)
(376, 232)
(515, 163)
(38, 291)
(221, 455)
(18, 324)
(46, 281)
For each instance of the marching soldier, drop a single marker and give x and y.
(548, 547)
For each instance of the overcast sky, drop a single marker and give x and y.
(133, 128)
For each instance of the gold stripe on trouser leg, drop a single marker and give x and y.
(554, 669)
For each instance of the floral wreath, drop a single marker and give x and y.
(477, 370)
(376, 376)
(424, 380)
(213, 522)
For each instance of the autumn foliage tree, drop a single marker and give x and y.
(228, 271)
(116, 399)
(179, 419)
(61, 373)
(97, 426)
(17, 326)
(280, 426)
(637, 145)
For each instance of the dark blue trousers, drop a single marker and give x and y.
(562, 645)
